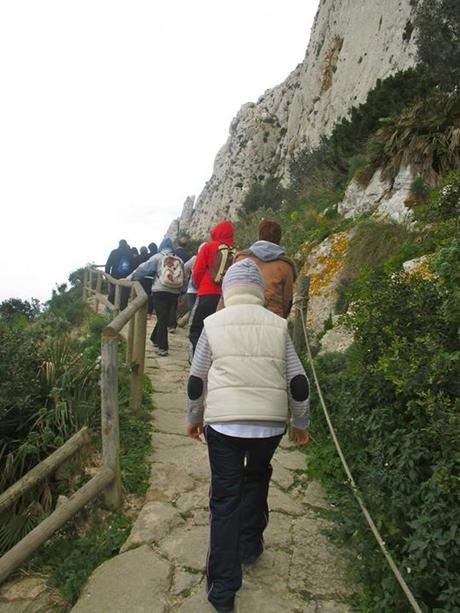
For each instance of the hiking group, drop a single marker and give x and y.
(245, 380)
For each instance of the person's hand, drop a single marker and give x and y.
(300, 437)
(194, 430)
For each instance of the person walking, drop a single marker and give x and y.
(181, 252)
(181, 249)
(147, 281)
(278, 270)
(168, 275)
(119, 265)
(153, 249)
(208, 290)
(244, 380)
(143, 255)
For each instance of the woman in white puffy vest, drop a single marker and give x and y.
(246, 368)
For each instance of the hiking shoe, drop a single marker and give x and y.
(162, 352)
(224, 608)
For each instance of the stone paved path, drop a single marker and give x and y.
(160, 568)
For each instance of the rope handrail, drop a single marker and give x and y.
(396, 572)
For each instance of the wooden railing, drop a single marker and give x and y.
(108, 478)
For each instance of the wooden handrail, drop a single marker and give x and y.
(108, 479)
(25, 548)
(44, 469)
(135, 315)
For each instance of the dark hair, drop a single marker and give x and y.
(269, 231)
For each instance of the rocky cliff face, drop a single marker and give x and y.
(352, 45)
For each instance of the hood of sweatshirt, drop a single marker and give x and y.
(267, 251)
(223, 233)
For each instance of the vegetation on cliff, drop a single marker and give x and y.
(49, 389)
(394, 393)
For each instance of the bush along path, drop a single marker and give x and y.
(160, 568)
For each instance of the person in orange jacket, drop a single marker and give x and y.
(209, 292)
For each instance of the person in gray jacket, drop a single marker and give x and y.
(245, 381)
(163, 297)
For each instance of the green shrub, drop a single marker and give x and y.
(394, 403)
(370, 246)
(419, 189)
(69, 558)
(438, 40)
(425, 135)
(445, 202)
(13, 308)
(266, 195)
(49, 389)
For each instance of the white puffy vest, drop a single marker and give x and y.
(247, 378)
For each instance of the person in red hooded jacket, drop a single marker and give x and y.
(209, 292)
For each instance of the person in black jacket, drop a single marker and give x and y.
(143, 255)
(120, 264)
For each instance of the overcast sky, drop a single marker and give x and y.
(111, 113)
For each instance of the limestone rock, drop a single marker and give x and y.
(194, 463)
(197, 603)
(187, 546)
(283, 477)
(361, 199)
(317, 567)
(198, 498)
(146, 574)
(315, 496)
(324, 266)
(184, 580)
(337, 72)
(419, 266)
(30, 595)
(291, 460)
(154, 521)
(272, 600)
(282, 502)
(168, 482)
(271, 563)
(279, 531)
(384, 199)
(393, 206)
(336, 339)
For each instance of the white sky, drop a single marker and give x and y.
(112, 112)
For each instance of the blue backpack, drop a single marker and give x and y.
(124, 266)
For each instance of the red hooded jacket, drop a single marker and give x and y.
(220, 234)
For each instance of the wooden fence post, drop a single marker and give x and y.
(301, 297)
(90, 282)
(138, 357)
(98, 289)
(130, 341)
(109, 418)
(85, 283)
(117, 299)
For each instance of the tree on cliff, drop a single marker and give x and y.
(438, 40)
